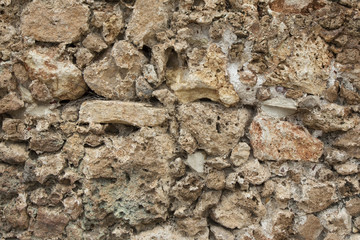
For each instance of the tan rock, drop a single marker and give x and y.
(40, 91)
(335, 156)
(177, 168)
(11, 179)
(279, 107)
(283, 224)
(165, 231)
(129, 113)
(83, 57)
(60, 21)
(209, 80)
(350, 141)
(215, 179)
(73, 231)
(20, 73)
(238, 209)
(207, 200)
(39, 197)
(189, 188)
(49, 165)
(305, 69)
(62, 78)
(336, 220)
(14, 129)
(283, 141)
(46, 141)
(221, 234)
(192, 226)
(240, 154)
(165, 96)
(216, 129)
(348, 168)
(316, 196)
(311, 228)
(254, 172)
(331, 117)
(353, 206)
(187, 141)
(148, 18)
(50, 222)
(350, 96)
(15, 212)
(73, 207)
(74, 149)
(94, 42)
(6, 80)
(127, 56)
(217, 163)
(13, 153)
(10, 102)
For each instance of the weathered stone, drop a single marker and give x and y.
(165, 231)
(196, 161)
(279, 107)
(49, 165)
(353, 206)
(143, 88)
(221, 234)
(49, 223)
(240, 154)
(73, 207)
(165, 96)
(188, 189)
(254, 172)
(283, 223)
(46, 141)
(13, 153)
(60, 21)
(216, 129)
(238, 209)
(316, 196)
(335, 156)
(129, 113)
(192, 226)
(331, 117)
(126, 56)
(39, 197)
(208, 80)
(350, 141)
(10, 102)
(11, 179)
(148, 18)
(62, 78)
(83, 57)
(94, 43)
(310, 228)
(215, 179)
(15, 212)
(74, 149)
(283, 141)
(217, 163)
(336, 220)
(14, 129)
(40, 91)
(177, 168)
(207, 200)
(70, 113)
(187, 141)
(6, 80)
(348, 168)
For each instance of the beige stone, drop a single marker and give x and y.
(311, 228)
(240, 154)
(94, 42)
(74, 149)
(254, 172)
(49, 165)
(46, 141)
(238, 209)
(62, 78)
(348, 168)
(336, 220)
(40, 91)
(220, 233)
(216, 129)
(129, 113)
(208, 80)
(83, 57)
(192, 226)
(14, 129)
(165, 231)
(13, 153)
(349, 141)
(63, 21)
(73, 207)
(127, 56)
(10, 102)
(207, 200)
(353, 206)
(15, 212)
(215, 179)
(273, 139)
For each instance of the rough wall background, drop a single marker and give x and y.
(180, 119)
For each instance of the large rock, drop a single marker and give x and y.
(54, 21)
(273, 139)
(62, 78)
(13, 153)
(208, 80)
(216, 129)
(130, 113)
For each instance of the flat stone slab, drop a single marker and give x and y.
(129, 113)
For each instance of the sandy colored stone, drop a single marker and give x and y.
(331, 117)
(11, 180)
(215, 179)
(63, 21)
(311, 228)
(238, 209)
(46, 141)
(348, 168)
(129, 113)
(336, 220)
(335, 156)
(188, 188)
(74, 149)
(83, 57)
(62, 78)
(217, 163)
(148, 18)
(50, 222)
(215, 128)
(209, 80)
(192, 226)
(10, 102)
(14, 129)
(94, 42)
(280, 140)
(254, 172)
(349, 141)
(353, 206)
(165, 231)
(127, 56)
(187, 141)
(207, 200)
(304, 69)
(15, 212)
(73, 207)
(177, 168)
(13, 153)
(220, 233)
(39, 197)
(282, 224)
(240, 154)
(40, 91)
(49, 165)
(165, 96)
(316, 196)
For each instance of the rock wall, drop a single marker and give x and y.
(180, 119)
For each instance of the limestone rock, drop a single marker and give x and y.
(188, 189)
(15, 212)
(14, 129)
(208, 80)
(40, 91)
(46, 142)
(62, 78)
(216, 129)
(221, 234)
(148, 18)
(11, 179)
(240, 154)
(254, 172)
(127, 56)
(49, 165)
(192, 226)
(350, 141)
(215, 179)
(196, 161)
(177, 168)
(283, 141)
(353, 206)
(60, 21)
(94, 43)
(238, 209)
(279, 107)
(129, 113)
(74, 149)
(165, 231)
(348, 168)
(49, 222)
(207, 200)
(310, 228)
(13, 153)
(73, 207)
(10, 102)
(336, 220)
(316, 196)
(83, 57)
(305, 69)
(331, 117)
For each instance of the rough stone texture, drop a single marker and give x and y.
(272, 139)
(190, 119)
(60, 21)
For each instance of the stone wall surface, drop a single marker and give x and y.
(180, 119)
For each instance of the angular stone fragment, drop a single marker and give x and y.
(311, 227)
(46, 142)
(15, 212)
(11, 180)
(336, 220)
(215, 179)
(13, 153)
(238, 209)
(207, 200)
(353, 206)
(331, 117)
(280, 140)
(49, 165)
(54, 21)
(316, 196)
(14, 129)
(240, 154)
(62, 78)
(215, 128)
(220, 233)
(254, 172)
(129, 113)
(209, 80)
(165, 231)
(348, 168)
(196, 161)
(94, 42)
(10, 102)
(74, 149)
(148, 18)
(350, 142)
(127, 56)
(279, 107)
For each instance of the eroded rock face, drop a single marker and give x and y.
(280, 140)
